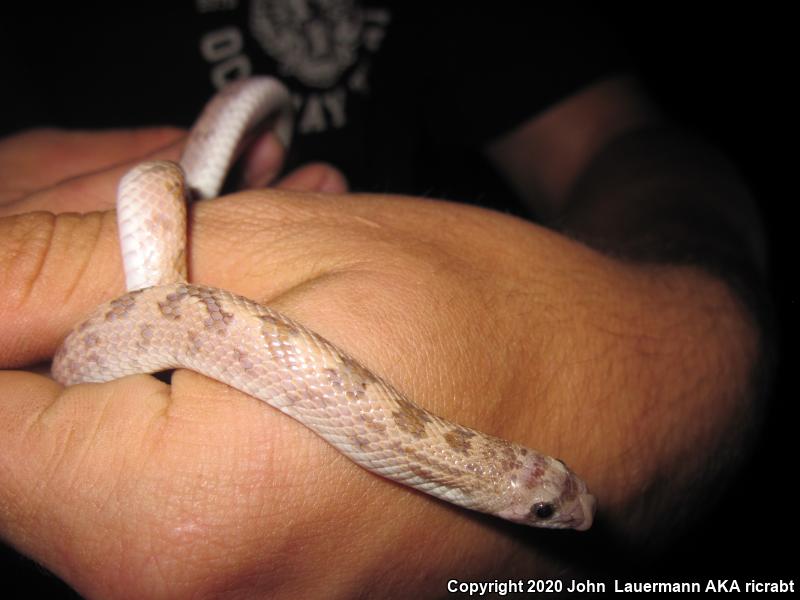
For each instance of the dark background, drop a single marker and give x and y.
(725, 75)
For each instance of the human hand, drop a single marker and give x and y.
(138, 488)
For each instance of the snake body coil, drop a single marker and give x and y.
(164, 323)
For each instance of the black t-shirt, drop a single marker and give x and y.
(401, 96)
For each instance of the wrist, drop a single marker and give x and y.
(656, 387)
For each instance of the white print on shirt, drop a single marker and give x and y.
(323, 44)
(223, 49)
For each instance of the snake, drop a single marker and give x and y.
(163, 322)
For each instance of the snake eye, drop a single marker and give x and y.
(543, 510)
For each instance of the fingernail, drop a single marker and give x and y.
(333, 182)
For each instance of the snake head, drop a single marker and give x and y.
(547, 494)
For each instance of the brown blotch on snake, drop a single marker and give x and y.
(410, 418)
(170, 306)
(358, 372)
(119, 308)
(510, 461)
(362, 443)
(145, 334)
(458, 439)
(242, 358)
(370, 422)
(277, 335)
(536, 474)
(90, 340)
(348, 379)
(436, 471)
(218, 320)
(171, 187)
(195, 343)
(335, 379)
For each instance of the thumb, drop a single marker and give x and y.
(34, 160)
(44, 257)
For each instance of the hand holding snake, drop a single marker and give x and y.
(136, 488)
(164, 322)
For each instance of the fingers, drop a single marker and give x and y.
(52, 270)
(96, 480)
(38, 158)
(264, 159)
(315, 177)
(96, 191)
(78, 171)
(262, 162)
(61, 171)
(77, 467)
(104, 481)
(125, 475)
(84, 193)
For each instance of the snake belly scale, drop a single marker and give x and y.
(163, 322)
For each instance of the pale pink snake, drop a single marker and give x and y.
(164, 323)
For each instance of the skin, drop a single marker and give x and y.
(639, 374)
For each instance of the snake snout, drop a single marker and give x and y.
(582, 512)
